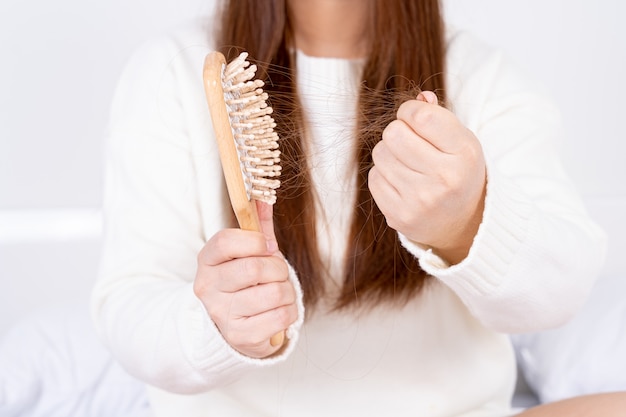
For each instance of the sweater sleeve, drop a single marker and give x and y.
(537, 253)
(163, 198)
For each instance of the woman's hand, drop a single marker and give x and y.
(243, 282)
(429, 178)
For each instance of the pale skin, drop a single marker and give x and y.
(243, 281)
(427, 166)
(429, 178)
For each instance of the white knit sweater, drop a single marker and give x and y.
(446, 353)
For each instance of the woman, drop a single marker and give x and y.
(414, 255)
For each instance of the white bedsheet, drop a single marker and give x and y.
(586, 355)
(52, 365)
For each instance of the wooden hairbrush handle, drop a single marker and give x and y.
(243, 206)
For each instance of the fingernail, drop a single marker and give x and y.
(272, 245)
(428, 97)
(278, 339)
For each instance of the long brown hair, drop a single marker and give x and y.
(407, 53)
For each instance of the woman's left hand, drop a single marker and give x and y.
(429, 178)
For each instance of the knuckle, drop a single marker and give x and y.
(455, 180)
(219, 242)
(434, 201)
(404, 219)
(395, 221)
(280, 294)
(203, 255)
(286, 316)
(200, 257)
(372, 174)
(472, 150)
(423, 116)
(392, 136)
(372, 177)
(406, 108)
(283, 316)
(393, 129)
(392, 222)
(467, 151)
(273, 295)
(376, 152)
(203, 283)
(252, 267)
(199, 287)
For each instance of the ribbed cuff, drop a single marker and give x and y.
(503, 229)
(208, 350)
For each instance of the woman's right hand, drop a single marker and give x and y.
(243, 282)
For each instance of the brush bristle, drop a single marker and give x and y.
(253, 129)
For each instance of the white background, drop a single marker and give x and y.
(59, 62)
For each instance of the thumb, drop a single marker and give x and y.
(428, 97)
(266, 219)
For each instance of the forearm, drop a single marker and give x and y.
(529, 267)
(161, 333)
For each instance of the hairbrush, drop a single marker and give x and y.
(247, 142)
